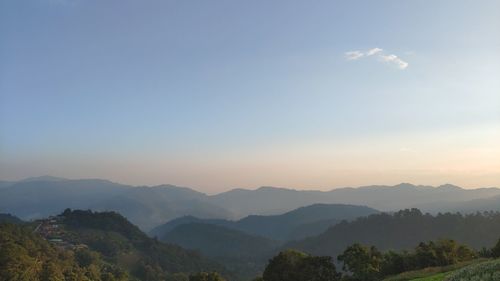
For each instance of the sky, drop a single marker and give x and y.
(229, 93)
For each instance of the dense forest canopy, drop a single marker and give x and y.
(25, 256)
(102, 243)
(87, 245)
(403, 230)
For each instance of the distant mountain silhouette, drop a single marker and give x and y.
(44, 178)
(4, 184)
(270, 200)
(219, 241)
(317, 218)
(151, 206)
(8, 218)
(238, 251)
(32, 198)
(163, 229)
(144, 206)
(470, 206)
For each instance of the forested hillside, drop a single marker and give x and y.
(238, 251)
(124, 244)
(218, 241)
(404, 229)
(94, 245)
(26, 256)
(86, 245)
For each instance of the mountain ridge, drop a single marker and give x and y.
(278, 227)
(150, 206)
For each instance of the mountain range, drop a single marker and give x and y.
(149, 207)
(245, 245)
(296, 224)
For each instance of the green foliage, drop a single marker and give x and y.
(495, 251)
(206, 276)
(296, 266)
(25, 256)
(441, 253)
(485, 252)
(487, 271)
(123, 244)
(367, 263)
(85, 258)
(117, 251)
(177, 277)
(437, 277)
(364, 263)
(431, 272)
(403, 230)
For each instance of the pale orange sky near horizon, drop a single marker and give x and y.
(467, 158)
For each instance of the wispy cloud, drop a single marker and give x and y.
(383, 57)
(373, 51)
(394, 59)
(354, 55)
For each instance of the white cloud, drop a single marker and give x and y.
(354, 55)
(373, 51)
(390, 58)
(401, 64)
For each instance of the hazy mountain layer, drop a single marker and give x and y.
(270, 200)
(219, 241)
(144, 206)
(317, 218)
(148, 207)
(237, 251)
(8, 218)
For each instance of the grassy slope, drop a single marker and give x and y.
(486, 271)
(432, 273)
(437, 277)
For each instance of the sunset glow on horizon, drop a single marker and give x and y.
(218, 95)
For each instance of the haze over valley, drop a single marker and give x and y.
(149, 207)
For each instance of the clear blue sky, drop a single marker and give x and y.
(222, 94)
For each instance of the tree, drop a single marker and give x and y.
(394, 263)
(297, 266)
(495, 251)
(318, 269)
(206, 276)
(425, 255)
(85, 257)
(362, 262)
(177, 277)
(51, 272)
